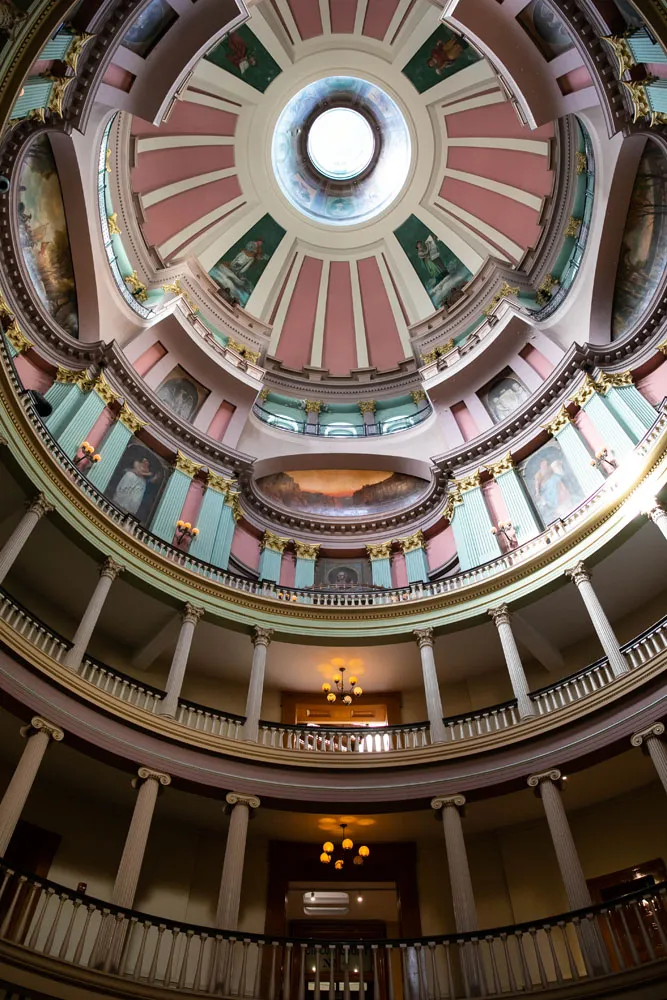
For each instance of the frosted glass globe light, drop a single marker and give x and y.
(340, 144)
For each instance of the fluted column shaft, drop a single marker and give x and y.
(651, 740)
(502, 620)
(39, 734)
(108, 574)
(229, 900)
(465, 911)
(605, 632)
(424, 638)
(21, 533)
(566, 852)
(261, 639)
(190, 617)
(129, 869)
(658, 515)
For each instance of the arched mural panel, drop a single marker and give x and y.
(342, 492)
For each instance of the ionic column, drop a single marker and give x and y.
(650, 741)
(39, 734)
(229, 900)
(465, 911)
(189, 619)
(12, 547)
(547, 785)
(424, 638)
(260, 639)
(502, 620)
(148, 784)
(658, 515)
(605, 633)
(108, 573)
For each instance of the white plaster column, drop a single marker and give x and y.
(38, 734)
(658, 515)
(465, 911)
(651, 741)
(229, 900)
(12, 547)
(424, 637)
(148, 784)
(502, 620)
(581, 576)
(108, 573)
(260, 639)
(190, 617)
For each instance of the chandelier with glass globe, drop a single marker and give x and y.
(346, 845)
(354, 691)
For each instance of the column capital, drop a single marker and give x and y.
(381, 550)
(579, 574)
(306, 551)
(501, 615)
(40, 505)
(40, 725)
(110, 568)
(238, 799)
(261, 636)
(657, 730)
(655, 511)
(452, 801)
(147, 773)
(366, 406)
(553, 775)
(424, 637)
(191, 613)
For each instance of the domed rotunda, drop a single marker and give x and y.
(333, 524)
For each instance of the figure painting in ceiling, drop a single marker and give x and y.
(442, 54)
(138, 481)
(149, 27)
(440, 271)
(241, 53)
(503, 396)
(239, 270)
(182, 393)
(342, 492)
(551, 483)
(643, 255)
(546, 29)
(43, 234)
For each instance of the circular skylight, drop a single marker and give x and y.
(340, 144)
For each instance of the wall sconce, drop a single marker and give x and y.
(508, 531)
(185, 532)
(604, 457)
(88, 455)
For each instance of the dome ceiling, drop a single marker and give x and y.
(340, 283)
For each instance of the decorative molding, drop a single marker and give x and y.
(78, 377)
(573, 227)
(304, 550)
(505, 464)
(448, 801)
(138, 289)
(367, 406)
(582, 162)
(17, 338)
(418, 396)
(470, 482)
(614, 380)
(656, 730)
(238, 799)
(561, 420)
(506, 291)
(585, 392)
(438, 351)
(274, 542)
(412, 542)
(380, 550)
(148, 774)
(104, 390)
(40, 725)
(177, 289)
(130, 420)
(313, 405)
(535, 780)
(548, 283)
(58, 92)
(79, 42)
(221, 484)
(112, 222)
(186, 465)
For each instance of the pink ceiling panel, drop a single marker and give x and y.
(168, 217)
(495, 120)
(340, 349)
(517, 221)
(296, 337)
(167, 166)
(190, 119)
(384, 345)
(306, 13)
(378, 17)
(342, 16)
(527, 171)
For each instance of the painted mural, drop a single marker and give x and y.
(644, 247)
(504, 396)
(342, 492)
(342, 574)
(149, 27)
(182, 393)
(551, 482)
(545, 28)
(43, 234)
(138, 481)
(440, 271)
(242, 54)
(240, 269)
(442, 54)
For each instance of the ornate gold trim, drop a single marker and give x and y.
(640, 103)
(219, 483)
(17, 337)
(380, 550)
(367, 406)
(130, 420)
(104, 390)
(619, 46)
(274, 542)
(506, 291)
(572, 228)
(561, 420)
(186, 465)
(60, 87)
(112, 222)
(72, 377)
(614, 380)
(585, 392)
(438, 351)
(582, 162)
(470, 482)
(502, 465)
(418, 396)
(79, 42)
(313, 405)
(412, 542)
(306, 551)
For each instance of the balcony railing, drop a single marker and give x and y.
(342, 428)
(80, 932)
(308, 739)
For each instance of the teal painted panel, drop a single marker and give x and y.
(438, 268)
(242, 54)
(443, 54)
(241, 267)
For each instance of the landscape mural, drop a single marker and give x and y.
(643, 255)
(239, 270)
(439, 269)
(551, 482)
(43, 235)
(503, 396)
(545, 28)
(182, 393)
(342, 492)
(442, 54)
(138, 481)
(149, 27)
(242, 54)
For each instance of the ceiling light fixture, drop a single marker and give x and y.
(328, 851)
(339, 682)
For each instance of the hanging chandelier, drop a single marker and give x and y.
(328, 851)
(339, 682)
